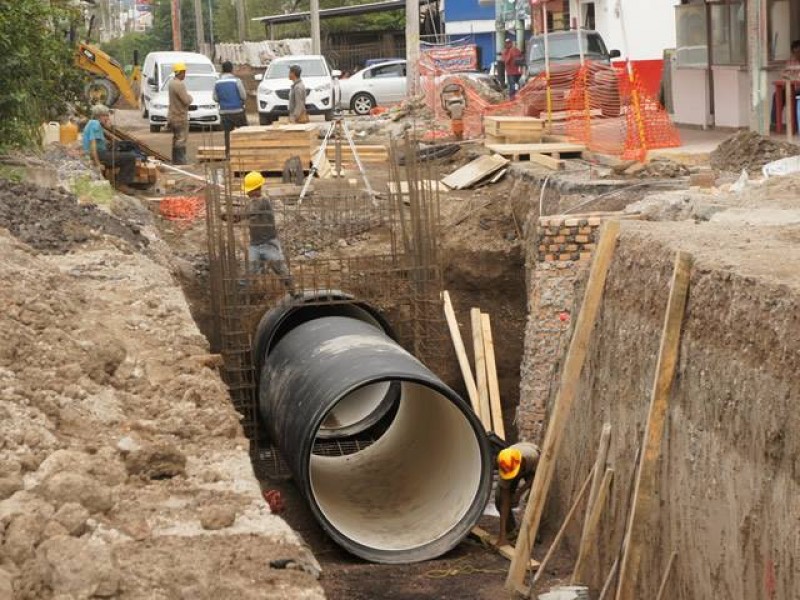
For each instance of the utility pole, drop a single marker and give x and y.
(176, 25)
(412, 47)
(316, 44)
(199, 26)
(241, 19)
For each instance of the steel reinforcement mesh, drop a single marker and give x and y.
(381, 249)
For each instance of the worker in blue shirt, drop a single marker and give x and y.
(230, 94)
(101, 153)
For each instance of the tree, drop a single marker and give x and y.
(37, 71)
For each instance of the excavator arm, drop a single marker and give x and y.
(92, 59)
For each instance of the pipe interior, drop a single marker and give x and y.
(413, 485)
(356, 408)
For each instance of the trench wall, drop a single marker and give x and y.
(730, 468)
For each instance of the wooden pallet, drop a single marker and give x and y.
(519, 152)
(512, 130)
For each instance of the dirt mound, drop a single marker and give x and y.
(53, 222)
(751, 151)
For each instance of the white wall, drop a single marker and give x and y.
(649, 25)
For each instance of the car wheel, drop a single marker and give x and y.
(145, 112)
(362, 103)
(265, 119)
(329, 115)
(155, 128)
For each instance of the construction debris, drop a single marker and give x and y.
(474, 172)
(751, 151)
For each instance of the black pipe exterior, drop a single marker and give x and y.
(417, 490)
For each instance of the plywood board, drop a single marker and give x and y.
(472, 173)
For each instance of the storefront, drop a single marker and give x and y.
(728, 55)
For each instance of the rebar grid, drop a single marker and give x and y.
(381, 249)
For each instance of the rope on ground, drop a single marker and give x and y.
(460, 567)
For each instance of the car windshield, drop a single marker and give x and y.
(310, 68)
(565, 46)
(191, 68)
(196, 83)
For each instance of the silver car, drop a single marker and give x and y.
(383, 83)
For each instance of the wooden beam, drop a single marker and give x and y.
(562, 407)
(599, 469)
(506, 552)
(663, 587)
(554, 164)
(498, 427)
(589, 539)
(567, 520)
(461, 352)
(481, 383)
(645, 499)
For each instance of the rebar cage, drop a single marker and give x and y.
(382, 249)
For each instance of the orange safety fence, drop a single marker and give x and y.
(183, 210)
(596, 104)
(610, 112)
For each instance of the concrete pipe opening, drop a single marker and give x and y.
(417, 490)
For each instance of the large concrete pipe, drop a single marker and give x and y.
(421, 486)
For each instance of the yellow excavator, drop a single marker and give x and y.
(109, 83)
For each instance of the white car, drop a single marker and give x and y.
(380, 84)
(203, 112)
(273, 91)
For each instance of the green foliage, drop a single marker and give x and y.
(123, 47)
(37, 72)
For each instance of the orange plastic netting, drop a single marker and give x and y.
(597, 105)
(183, 210)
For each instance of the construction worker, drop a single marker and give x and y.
(265, 250)
(515, 464)
(96, 147)
(297, 96)
(230, 94)
(511, 59)
(178, 113)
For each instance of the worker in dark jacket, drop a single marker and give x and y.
(230, 94)
(517, 467)
(297, 96)
(265, 250)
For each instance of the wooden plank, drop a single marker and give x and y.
(480, 369)
(506, 552)
(498, 427)
(567, 391)
(120, 134)
(599, 469)
(554, 164)
(544, 148)
(663, 587)
(589, 540)
(645, 499)
(461, 352)
(473, 172)
(567, 520)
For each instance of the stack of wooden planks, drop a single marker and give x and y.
(267, 148)
(210, 153)
(546, 154)
(512, 130)
(375, 153)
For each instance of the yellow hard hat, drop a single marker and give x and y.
(252, 181)
(509, 462)
(178, 67)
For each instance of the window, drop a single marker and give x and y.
(729, 33)
(396, 70)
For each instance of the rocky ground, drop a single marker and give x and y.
(123, 469)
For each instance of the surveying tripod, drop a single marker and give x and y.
(337, 130)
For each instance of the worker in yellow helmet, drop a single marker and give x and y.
(178, 113)
(516, 466)
(265, 250)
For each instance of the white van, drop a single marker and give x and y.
(157, 68)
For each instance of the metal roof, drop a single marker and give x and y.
(339, 11)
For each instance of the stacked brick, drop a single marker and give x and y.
(566, 238)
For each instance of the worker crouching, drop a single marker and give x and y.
(516, 466)
(101, 153)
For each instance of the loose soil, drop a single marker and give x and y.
(750, 151)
